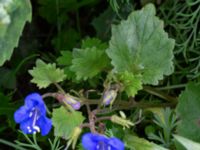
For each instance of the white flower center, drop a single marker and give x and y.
(35, 115)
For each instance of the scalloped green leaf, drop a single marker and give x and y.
(131, 83)
(141, 46)
(64, 121)
(136, 143)
(13, 16)
(45, 74)
(188, 110)
(90, 60)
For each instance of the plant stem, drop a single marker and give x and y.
(49, 95)
(59, 88)
(102, 119)
(127, 105)
(91, 119)
(159, 94)
(171, 87)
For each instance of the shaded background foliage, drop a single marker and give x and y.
(61, 25)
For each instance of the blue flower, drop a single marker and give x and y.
(91, 141)
(32, 116)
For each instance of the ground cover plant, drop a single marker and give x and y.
(99, 75)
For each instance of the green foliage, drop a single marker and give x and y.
(105, 19)
(7, 108)
(183, 18)
(115, 4)
(45, 74)
(52, 9)
(188, 144)
(66, 39)
(8, 78)
(131, 83)
(139, 52)
(136, 143)
(90, 60)
(65, 121)
(66, 61)
(13, 16)
(189, 112)
(167, 121)
(141, 46)
(32, 143)
(182, 23)
(93, 42)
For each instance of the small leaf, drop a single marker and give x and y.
(93, 42)
(188, 144)
(141, 46)
(132, 83)
(188, 109)
(136, 143)
(65, 59)
(45, 74)
(13, 16)
(65, 121)
(91, 60)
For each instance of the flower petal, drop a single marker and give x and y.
(26, 126)
(21, 114)
(76, 106)
(45, 125)
(116, 144)
(90, 140)
(35, 100)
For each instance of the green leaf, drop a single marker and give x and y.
(188, 109)
(136, 143)
(141, 46)
(45, 74)
(65, 121)
(66, 61)
(65, 58)
(188, 144)
(13, 16)
(93, 42)
(132, 83)
(89, 61)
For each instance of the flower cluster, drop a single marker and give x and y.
(32, 116)
(91, 141)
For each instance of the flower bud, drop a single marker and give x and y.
(69, 100)
(109, 97)
(74, 137)
(121, 121)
